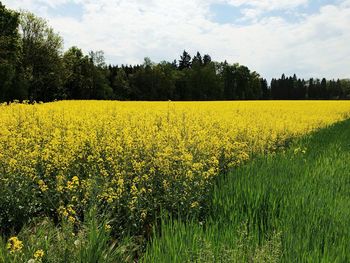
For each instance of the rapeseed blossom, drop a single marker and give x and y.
(136, 157)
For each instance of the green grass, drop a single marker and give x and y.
(65, 243)
(293, 206)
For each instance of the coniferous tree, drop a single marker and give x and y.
(206, 59)
(185, 61)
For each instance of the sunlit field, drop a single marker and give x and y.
(136, 159)
(138, 156)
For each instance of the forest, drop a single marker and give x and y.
(35, 67)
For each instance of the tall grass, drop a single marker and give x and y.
(92, 242)
(293, 206)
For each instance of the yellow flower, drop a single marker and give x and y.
(137, 151)
(62, 211)
(43, 187)
(39, 254)
(194, 204)
(143, 214)
(14, 245)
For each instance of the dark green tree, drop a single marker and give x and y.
(197, 59)
(100, 85)
(41, 58)
(185, 61)
(78, 74)
(9, 55)
(206, 59)
(266, 92)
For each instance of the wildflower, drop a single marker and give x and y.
(59, 188)
(39, 254)
(62, 211)
(144, 215)
(194, 204)
(43, 187)
(297, 150)
(108, 227)
(14, 245)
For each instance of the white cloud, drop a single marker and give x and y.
(128, 30)
(268, 5)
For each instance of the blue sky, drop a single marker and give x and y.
(225, 13)
(69, 9)
(272, 37)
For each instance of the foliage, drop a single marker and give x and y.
(43, 241)
(293, 205)
(135, 159)
(33, 67)
(59, 160)
(9, 51)
(41, 58)
(294, 88)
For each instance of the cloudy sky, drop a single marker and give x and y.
(307, 37)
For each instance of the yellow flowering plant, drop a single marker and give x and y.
(136, 158)
(14, 245)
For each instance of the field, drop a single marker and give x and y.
(292, 207)
(74, 166)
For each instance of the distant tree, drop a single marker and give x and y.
(183, 86)
(9, 55)
(274, 89)
(266, 92)
(345, 84)
(339, 89)
(206, 59)
(254, 91)
(229, 76)
(154, 81)
(197, 59)
(168, 80)
(78, 74)
(120, 85)
(213, 85)
(100, 85)
(203, 80)
(323, 92)
(185, 61)
(300, 89)
(174, 64)
(243, 85)
(41, 58)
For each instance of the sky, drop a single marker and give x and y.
(309, 38)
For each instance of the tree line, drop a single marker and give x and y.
(295, 88)
(34, 67)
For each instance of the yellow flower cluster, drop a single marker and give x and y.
(136, 156)
(38, 255)
(14, 244)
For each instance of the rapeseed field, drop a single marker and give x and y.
(136, 158)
